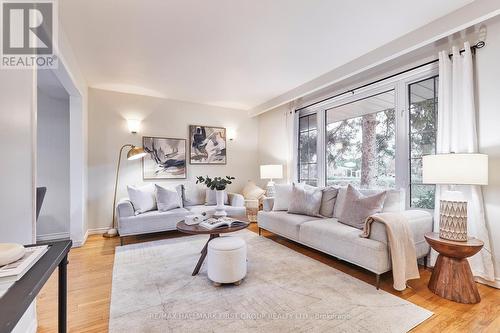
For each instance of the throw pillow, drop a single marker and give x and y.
(305, 200)
(193, 195)
(211, 198)
(395, 201)
(252, 191)
(142, 198)
(328, 201)
(357, 207)
(167, 199)
(282, 194)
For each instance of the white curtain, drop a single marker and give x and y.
(456, 132)
(290, 125)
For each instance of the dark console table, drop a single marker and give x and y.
(15, 302)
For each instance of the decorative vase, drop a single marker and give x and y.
(220, 210)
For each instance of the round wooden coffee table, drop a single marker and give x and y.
(195, 229)
(452, 277)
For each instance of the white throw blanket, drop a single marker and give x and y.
(401, 245)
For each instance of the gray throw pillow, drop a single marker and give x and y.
(143, 198)
(193, 195)
(358, 207)
(211, 198)
(305, 200)
(328, 201)
(167, 199)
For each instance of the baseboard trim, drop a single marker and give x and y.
(494, 284)
(80, 243)
(50, 237)
(97, 231)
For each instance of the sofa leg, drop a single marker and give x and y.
(260, 231)
(121, 241)
(377, 283)
(425, 261)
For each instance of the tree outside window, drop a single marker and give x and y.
(360, 139)
(423, 119)
(308, 138)
(361, 150)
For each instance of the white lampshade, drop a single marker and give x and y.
(455, 169)
(271, 171)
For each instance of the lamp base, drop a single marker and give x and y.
(270, 192)
(110, 233)
(453, 220)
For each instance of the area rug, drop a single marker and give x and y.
(284, 291)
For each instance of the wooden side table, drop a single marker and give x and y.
(452, 277)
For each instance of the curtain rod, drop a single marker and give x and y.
(478, 45)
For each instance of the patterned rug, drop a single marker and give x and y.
(284, 291)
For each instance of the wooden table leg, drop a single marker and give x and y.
(62, 295)
(452, 279)
(203, 254)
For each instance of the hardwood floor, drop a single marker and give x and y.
(90, 274)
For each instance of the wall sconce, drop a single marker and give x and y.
(231, 134)
(134, 125)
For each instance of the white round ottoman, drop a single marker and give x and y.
(227, 260)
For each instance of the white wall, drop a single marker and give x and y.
(272, 123)
(53, 164)
(160, 117)
(17, 124)
(272, 140)
(17, 168)
(75, 84)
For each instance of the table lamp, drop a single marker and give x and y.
(454, 169)
(133, 153)
(271, 171)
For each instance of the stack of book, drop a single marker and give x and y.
(12, 272)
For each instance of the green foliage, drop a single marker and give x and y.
(344, 147)
(342, 142)
(216, 183)
(423, 126)
(423, 197)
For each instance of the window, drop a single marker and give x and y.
(423, 119)
(361, 150)
(308, 161)
(373, 137)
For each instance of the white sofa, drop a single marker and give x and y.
(342, 241)
(156, 221)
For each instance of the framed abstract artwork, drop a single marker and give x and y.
(207, 145)
(166, 158)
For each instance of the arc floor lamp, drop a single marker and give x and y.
(133, 153)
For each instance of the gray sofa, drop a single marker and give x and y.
(155, 221)
(342, 241)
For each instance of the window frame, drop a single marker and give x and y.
(298, 133)
(400, 84)
(410, 158)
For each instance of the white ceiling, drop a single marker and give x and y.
(231, 53)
